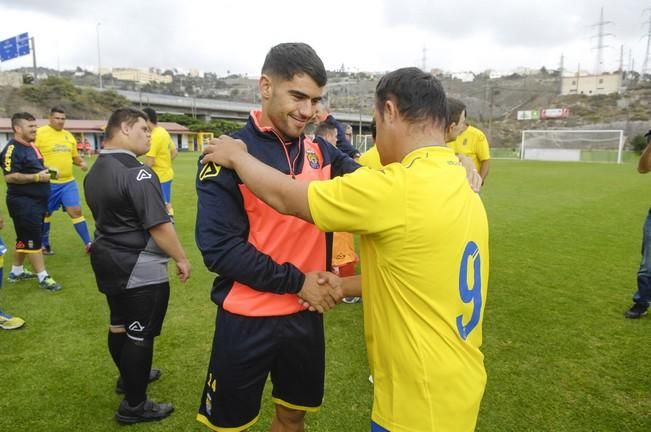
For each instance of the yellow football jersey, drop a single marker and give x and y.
(424, 258)
(58, 148)
(473, 143)
(371, 158)
(160, 150)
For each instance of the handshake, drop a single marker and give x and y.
(321, 291)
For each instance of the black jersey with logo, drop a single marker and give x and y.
(18, 157)
(126, 201)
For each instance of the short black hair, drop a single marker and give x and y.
(325, 127)
(57, 109)
(455, 108)
(289, 59)
(418, 95)
(123, 115)
(19, 117)
(151, 113)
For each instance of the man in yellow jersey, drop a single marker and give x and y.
(371, 158)
(424, 253)
(470, 141)
(59, 150)
(160, 156)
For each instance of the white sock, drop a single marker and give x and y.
(42, 275)
(17, 269)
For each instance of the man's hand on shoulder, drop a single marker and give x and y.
(223, 151)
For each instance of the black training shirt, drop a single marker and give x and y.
(126, 201)
(18, 157)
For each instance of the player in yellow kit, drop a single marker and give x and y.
(470, 141)
(160, 156)
(371, 158)
(59, 150)
(424, 254)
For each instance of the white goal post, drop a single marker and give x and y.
(572, 145)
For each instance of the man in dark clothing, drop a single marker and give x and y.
(642, 296)
(134, 238)
(267, 261)
(28, 190)
(344, 142)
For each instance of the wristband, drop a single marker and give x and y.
(36, 178)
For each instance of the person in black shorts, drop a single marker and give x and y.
(134, 239)
(266, 262)
(28, 190)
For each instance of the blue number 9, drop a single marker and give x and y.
(470, 294)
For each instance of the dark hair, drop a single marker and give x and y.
(19, 117)
(288, 59)
(324, 128)
(151, 113)
(123, 115)
(57, 109)
(455, 108)
(419, 96)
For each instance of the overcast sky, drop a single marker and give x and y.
(378, 35)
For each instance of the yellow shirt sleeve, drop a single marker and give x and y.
(482, 149)
(75, 153)
(365, 201)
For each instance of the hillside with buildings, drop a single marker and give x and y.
(610, 100)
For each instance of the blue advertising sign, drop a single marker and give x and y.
(14, 47)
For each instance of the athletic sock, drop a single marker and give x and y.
(82, 229)
(17, 270)
(115, 345)
(135, 364)
(42, 275)
(45, 232)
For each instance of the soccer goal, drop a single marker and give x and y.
(572, 145)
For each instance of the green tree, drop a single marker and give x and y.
(638, 143)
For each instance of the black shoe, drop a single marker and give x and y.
(143, 412)
(638, 310)
(154, 374)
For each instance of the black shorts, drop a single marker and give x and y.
(246, 350)
(140, 310)
(27, 214)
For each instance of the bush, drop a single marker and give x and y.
(217, 127)
(638, 143)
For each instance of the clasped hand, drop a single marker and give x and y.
(321, 291)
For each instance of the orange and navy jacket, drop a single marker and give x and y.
(261, 256)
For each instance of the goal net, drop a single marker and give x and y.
(572, 145)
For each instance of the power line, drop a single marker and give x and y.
(645, 67)
(601, 35)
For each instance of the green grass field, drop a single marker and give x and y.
(565, 241)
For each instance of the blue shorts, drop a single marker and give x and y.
(63, 195)
(377, 428)
(166, 187)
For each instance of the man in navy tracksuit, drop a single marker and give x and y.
(267, 261)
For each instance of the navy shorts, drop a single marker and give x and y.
(27, 214)
(246, 350)
(140, 310)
